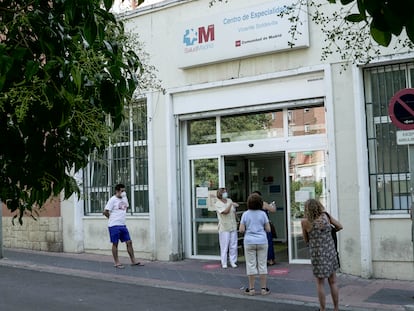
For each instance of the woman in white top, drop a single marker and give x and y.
(227, 226)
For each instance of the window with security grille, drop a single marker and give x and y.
(125, 161)
(389, 173)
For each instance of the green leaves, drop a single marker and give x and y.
(6, 64)
(355, 18)
(361, 8)
(63, 68)
(409, 28)
(386, 18)
(381, 37)
(90, 30)
(32, 68)
(108, 4)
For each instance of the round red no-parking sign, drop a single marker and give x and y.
(401, 109)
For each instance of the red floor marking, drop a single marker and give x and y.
(278, 271)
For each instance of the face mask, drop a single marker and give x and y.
(123, 194)
(224, 195)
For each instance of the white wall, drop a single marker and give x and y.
(392, 248)
(157, 236)
(97, 237)
(72, 225)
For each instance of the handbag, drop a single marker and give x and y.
(334, 237)
(273, 230)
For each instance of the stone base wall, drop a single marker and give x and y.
(42, 234)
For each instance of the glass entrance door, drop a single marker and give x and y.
(251, 149)
(267, 176)
(204, 185)
(307, 179)
(264, 173)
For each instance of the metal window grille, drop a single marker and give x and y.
(389, 174)
(124, 161)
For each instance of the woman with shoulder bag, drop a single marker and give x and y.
(316, 230)
(270, 235)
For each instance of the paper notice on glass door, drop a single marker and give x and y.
(201, 197)
(202, 192)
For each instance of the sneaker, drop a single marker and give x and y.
(224, 266)
(249, 291)
(265, 291)
(233, 265)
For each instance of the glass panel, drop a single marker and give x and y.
(141, 203)
(391, 191)
(202, 131)
(412, 77)
(141, 165)
(267, 175)
(120, 165)
(307, 180)
(116, 165)
(235, 180)
(98, 201)
(139, 121)
(204, 218)
(98, 180)
(252, 126)
(385, 82)
(388, 162)
(306, 121)
(122, 133)
(99, 169)
(390, 156)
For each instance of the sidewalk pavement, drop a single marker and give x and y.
(289, 283)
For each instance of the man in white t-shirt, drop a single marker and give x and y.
(115, 211)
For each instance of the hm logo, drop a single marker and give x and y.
(203, 35)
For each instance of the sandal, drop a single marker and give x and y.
(249, 291)
(265, 291)
(119, 266)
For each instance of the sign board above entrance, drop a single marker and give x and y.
(246, 32)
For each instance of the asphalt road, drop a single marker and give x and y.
(22, 289)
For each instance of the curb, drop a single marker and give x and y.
(186, 287)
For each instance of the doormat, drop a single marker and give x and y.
(211, 266)
(280, 271)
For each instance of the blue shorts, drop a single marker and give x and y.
(119, 233)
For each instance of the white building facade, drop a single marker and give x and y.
(244, 110)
